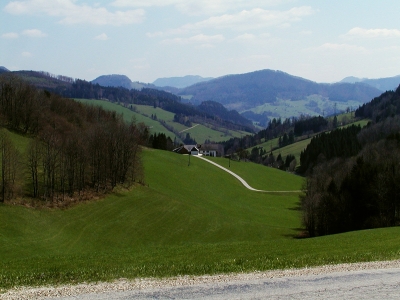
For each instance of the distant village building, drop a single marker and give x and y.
(215, 150)
(186, 149)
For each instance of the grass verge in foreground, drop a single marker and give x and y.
(380, 244)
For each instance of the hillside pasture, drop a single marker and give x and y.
(296, 148)
(313, 105)
(129, 115)
(187, 220)
(142, 113)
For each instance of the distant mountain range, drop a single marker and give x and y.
(266, 94)
(170, 84)
(115, 80)
(211, 114)
(261, 95)
(180, 82)
(383, 84)
(272, 93)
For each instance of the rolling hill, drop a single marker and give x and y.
(180, 82)
(280, 91)
(182, 220)
(219, 120)
(163, 122)
(3, 70)
(185, 221)
(382, 84)
(120, 81)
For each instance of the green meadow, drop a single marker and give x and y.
(143, 114)
(129, 115)
(186, 220)
(312, 105)
(296, 148)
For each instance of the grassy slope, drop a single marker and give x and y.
(20, 142)
(313, 105)
(261, 177)
(193, 219)
(296, 148)
(199, 133)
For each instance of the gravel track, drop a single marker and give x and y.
(241, 179)
(116, 289)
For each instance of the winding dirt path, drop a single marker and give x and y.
(241, 179)
(189, 128)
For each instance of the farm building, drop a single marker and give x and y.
(186, 149)
(215, 150)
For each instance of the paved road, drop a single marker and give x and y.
(367, 284)
(241, 179)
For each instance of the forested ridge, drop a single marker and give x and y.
(74, 149)
(248, 90)
(341, 143)
(353, 174)
(77, 88)
(288, 132)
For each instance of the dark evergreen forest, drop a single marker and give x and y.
(353, 175)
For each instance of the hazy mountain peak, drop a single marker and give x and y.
(382, 84)
(180, 82)
(113, 80)
(352, 79)
(4, 69)
(116, 80)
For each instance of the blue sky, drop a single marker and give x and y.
(323, 41)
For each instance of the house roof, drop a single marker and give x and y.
(188, 148)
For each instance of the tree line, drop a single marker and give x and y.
(83, 89)
(288, 131)
(73, 148)
(355, 186)
(325, 146)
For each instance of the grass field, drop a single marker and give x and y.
(312, 105)
(143, 114)
(128, 115)
(296, 148)
(193, 219)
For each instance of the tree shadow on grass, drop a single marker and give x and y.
(119, 195)
(300, 233)
(296, 208)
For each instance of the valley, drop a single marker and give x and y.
(180, 218)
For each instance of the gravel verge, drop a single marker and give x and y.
(149, 283)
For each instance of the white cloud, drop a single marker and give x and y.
(306, 32)
(256, 18)
(245, 37)
(145, 3)
(248, 38)
(26, 54)
(341, 48)
(200, 39)
(71, 13)
(373, 33)
(34, 33)
(10, 35)
(101, 37)
(200, 7)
